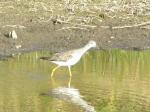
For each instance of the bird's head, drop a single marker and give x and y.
(91, 43)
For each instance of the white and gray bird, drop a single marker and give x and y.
(70, 57)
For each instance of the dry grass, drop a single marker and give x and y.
(82, 14)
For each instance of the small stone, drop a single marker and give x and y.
(112, 37)
(13, 55)
(13, 34)
(18, 46)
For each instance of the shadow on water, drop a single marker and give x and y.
(5, 58)
(69, 94)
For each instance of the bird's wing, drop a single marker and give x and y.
(63, 56)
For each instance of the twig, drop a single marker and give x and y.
(105, 27)
(130, 26)
(14, 26)
(127, 26)
(83, 25)
(145, 27)
(69, 28)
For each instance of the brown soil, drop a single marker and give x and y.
(45, 36)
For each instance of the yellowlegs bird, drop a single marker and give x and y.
(69, 58)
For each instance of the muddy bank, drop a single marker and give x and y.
(61, 25)
(47, 36)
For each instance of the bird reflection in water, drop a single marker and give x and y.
(71, 95)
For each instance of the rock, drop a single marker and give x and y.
(13, 34)
(18, 46)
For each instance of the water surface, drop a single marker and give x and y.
(103, 81)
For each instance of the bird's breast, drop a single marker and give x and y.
(75, 58)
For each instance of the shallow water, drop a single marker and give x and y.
(103, 81)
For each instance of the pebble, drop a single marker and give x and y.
(112, 37)
(18, 46)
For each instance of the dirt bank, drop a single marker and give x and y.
(57, 34)
(46, 36)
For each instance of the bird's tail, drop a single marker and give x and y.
(45, 58)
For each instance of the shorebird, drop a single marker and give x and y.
(69, 58)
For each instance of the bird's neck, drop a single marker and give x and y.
(86, 48)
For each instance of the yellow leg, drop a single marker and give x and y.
(70, 71)
(69, 82)
(54, 70)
